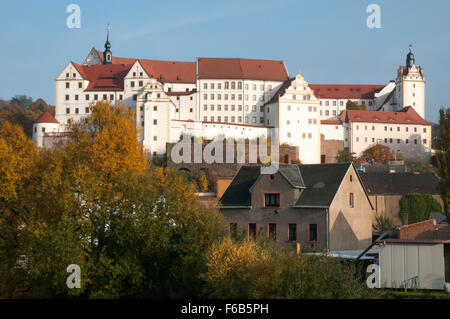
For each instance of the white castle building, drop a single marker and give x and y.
(238, 98)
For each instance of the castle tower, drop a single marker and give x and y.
(45, 124)
(107, 54)
(410, 86)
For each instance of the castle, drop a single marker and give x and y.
(243, 98)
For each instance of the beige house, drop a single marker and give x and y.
(322, 206)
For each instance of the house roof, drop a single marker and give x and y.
(292, 175)
(405, 116)
(46, 118)
(330, 122)
(164, 71)
(322, 182)
(400, 183)
(170, 71)
(104, 77)
(237, 68)
(238, 192)
(117, 60)
(346, 91)
(439, 217)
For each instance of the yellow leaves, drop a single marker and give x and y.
(107, 142)
(17, 156)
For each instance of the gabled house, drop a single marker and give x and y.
(322, 206)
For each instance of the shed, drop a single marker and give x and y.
(409, 263)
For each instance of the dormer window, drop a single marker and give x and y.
(272, 200)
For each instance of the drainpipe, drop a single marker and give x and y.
(328, 230)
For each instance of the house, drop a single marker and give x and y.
(386, 189)
(322, 206)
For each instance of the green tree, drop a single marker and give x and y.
(442, 146)
(418, 207)
(345, 156)
(418, 165)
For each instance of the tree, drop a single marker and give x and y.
(443, 157)
(377, 154)
(418, 165)
(354, 106)
(258, 269)
(17, 157)
(418, 207)
(135, 230)
(345, 156)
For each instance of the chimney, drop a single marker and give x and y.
(405, 219)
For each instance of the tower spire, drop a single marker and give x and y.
(410, 58)
(107, 54)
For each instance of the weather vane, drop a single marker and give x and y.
(410, 46)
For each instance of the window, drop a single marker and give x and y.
(312, 232)
(155, 138)
(272, 200)
(155, 122)
(67, 111)
(205, 107)
(76, 97)
(272, 231)
(134, 97)
(212, 86)
(233, 85)
(239, 85)
(105, 97)
(424, 141)
(227, 85)
(211, 118)
(233, 230)
(87, 97)
(205, 86)
(67, 85)
(252, 230)
(351, 200)
(155, 108)
(424, 129)
(351, 178)
(67, 97)
(292, 232)
(43, 130)
(77, 111)
(96, 97)
(132, 84)
(86, 110)
(141, 83)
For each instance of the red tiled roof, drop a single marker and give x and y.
(170, 71)
(104, 77)
(330, 122)
(117, 60)
(406, 116)
(346, 91)
(236, 68)
(46, 118)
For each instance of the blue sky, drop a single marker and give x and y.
(327, 40)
